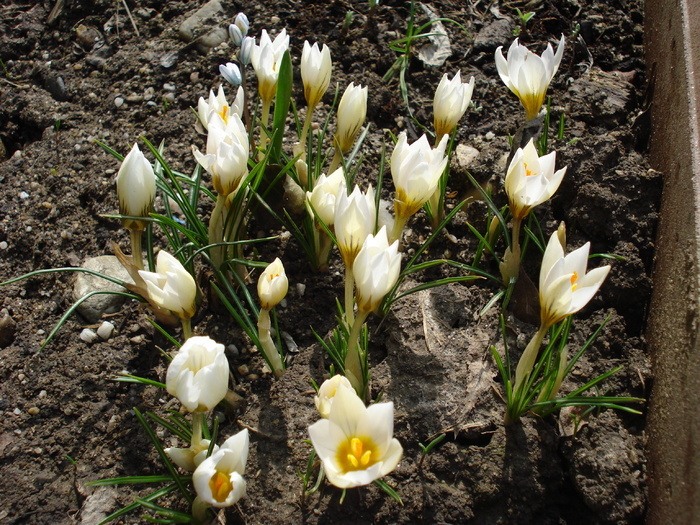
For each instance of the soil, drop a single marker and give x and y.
(66, 422)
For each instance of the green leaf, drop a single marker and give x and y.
(284, 95)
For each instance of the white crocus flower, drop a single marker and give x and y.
(452, 98)
(416, 171)
(231, 73)
(219, 480)
(531, 180)
(217, 104)
(190, 458)
(316, 69)
(272, 285)
(198, 374)
(266, 58)
(227, 153)
(527, 74)
(246, 50)
(376, 270)
(327, 391)
(171, 286)
(136, 187)
(352, 111)
(356, 443)
(565, 287)
(322, 199)
(355, 218)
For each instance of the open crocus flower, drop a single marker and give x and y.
(315, 72)
(356, 443)
(171, 286)
(136, 188)
(352, 111)
(565, 287)
(266, 58)
(326, 393)
(531, 180)
(272, 285)
(452, 98)
(324, 195)
(217, 104)
(198, 374)
(226, 157)
(219, 480)
(355, 218)
(416, 171)
(376, 269)
(527, 74)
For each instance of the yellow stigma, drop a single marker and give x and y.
(221, 486)
(528, 173)
(574, 278)
(224, 114)
(356, 454)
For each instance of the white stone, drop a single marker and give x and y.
(93, 308)
(105, 330)
(88, 336)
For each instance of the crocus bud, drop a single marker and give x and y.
(416, 171)
(136, 188)
(376, 270)
(451, 101)
(531, 180)
(528, 75)
(272, 285)
(231, 73)
(189, 458)
(198, 374)
(352, 111)
(355, 218)
(315, 72)
(219, 480)
(246, 50)
(356, 443)
(241, 22)
(171, 286)
(565, 287)
(327, 391)
(324, 195)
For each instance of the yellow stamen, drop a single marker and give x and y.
(356, 454)
(574, 278)
(221, 486)
(528, 173)
(224, 114)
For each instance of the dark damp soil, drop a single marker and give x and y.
(80, 74)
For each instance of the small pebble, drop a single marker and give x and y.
(23, 195)
(88, 336)
(67, 411)
(253, 377)
(42, 394)
(301, 289)
(133, 99)
(168, 87)
(33, 411)
(17, 411)
(243, 370)
(232, 349)
(169, 97)
(3, 245)
(490, 135)
(119, 102)
(21, 377)
(137, 339)
(105, 330)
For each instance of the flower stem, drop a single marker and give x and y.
(523, 371)
(349, 295)
(397, 230)
(354, 357)
(186, 328)
(197, 420)
(135, 236)
(216, 231)
(268, 347)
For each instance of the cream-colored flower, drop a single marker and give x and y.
(316, 70)
(325, 194)
(565, 287)
(217, 105)
(355, 218)
(416, 171)
(327, 391)
(190, 458)
(171, 286)
(356, 443)
(527, 74)
(531, 180)
(352, 112)
(136, 187)
(266, 59)
(226, 157)
(272, 285)
(376, 270)
(219, 480)
(452, 98)
(198, 374)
